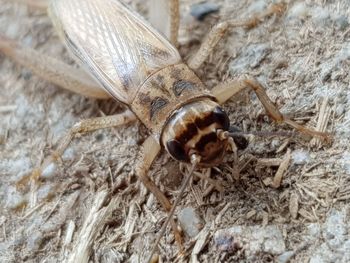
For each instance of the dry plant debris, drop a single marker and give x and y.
(93, 208)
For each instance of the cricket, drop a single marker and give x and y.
(127, 58)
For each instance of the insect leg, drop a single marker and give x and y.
(174, 21)
(84, 126)
(37, 4)
(218, 31)
(165, 17)
(147, 154)
(52, 70)
(225, 92)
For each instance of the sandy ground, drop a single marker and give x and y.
(92, 207)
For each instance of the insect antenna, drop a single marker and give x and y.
(262, 133)
(195, 159)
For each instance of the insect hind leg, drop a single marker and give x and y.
(52, 70)
(218, 31)
(165, 17)
(35, 4)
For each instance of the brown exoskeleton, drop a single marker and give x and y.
(136, 65)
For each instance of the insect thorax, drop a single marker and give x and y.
(175, 106)
(165, 92)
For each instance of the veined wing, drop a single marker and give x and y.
(119, 47)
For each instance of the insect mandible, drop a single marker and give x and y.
(138, 66)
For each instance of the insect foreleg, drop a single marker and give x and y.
(147, 154)
(218, 31)
(52, 70)
(274, 112)
(226, 90)
(84, 126)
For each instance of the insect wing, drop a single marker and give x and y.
(119, 47)
(159, 16)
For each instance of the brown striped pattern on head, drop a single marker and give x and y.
(193, 128)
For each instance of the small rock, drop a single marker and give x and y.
(227, 243)
(69, 154)
(253, 239)
(201, 10)
(275, 143)
(190, 222)
(285, 257)
(300, 157)
(44, 192)
(49, 171)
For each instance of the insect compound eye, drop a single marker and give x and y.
(221, 117)
(239, 140)
(176, 150)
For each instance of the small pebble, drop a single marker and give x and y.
(44, 192)
(49, 171)
(275, 143)
(201, 10)
(285, 257)
(255, 240)
(300, 157)
(226, 242)
(69, 154)
(190, 221)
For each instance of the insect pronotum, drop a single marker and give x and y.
(138, 66)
